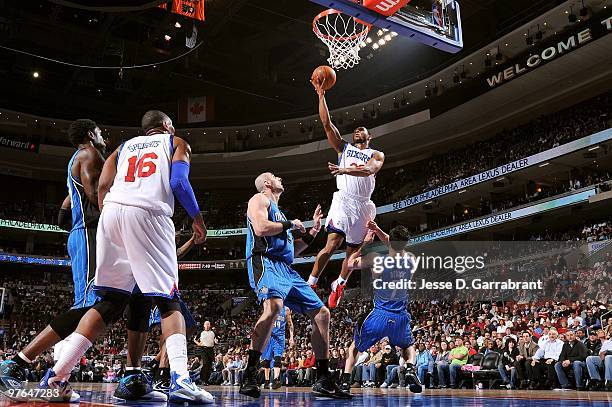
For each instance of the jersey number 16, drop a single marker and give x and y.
(142, 167)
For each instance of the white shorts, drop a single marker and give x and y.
(349, 215)
(136, 246)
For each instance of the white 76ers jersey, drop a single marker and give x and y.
(352, 156)
(143, 174)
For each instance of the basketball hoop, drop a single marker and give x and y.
(343, 35)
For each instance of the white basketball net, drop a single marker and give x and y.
(343, 35)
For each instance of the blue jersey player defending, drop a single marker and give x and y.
(389, 318)
(84, 171)
(270, 251)
(276, 347)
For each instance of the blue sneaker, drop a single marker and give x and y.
(183, 391)
(11, 376)
(138, 387)
(64, 391)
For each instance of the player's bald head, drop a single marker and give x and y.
(260, 181)
(154, 119)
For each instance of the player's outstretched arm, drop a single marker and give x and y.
(301, 243)
(258, 214)
(109, 171)
(89, 172)
(290, 327)
(331, 131)
(181, 187)
(185, 248)
(372, 167)
(384, 237)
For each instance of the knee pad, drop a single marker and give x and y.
(277, 362)
(65, 324)
(265, 364)
(112, 306)
(166, 305)
(139, 312)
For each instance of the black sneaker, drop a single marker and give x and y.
(326, 387)
(162, 385)
(249, 385)
(345, 386)
(414, 384)
(11, 375)
(276, 384)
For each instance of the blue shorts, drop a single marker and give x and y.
(275, 347)
(276, 279)
(155, 318)
(82, 252)
(379, 324)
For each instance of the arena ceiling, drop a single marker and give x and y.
(255, 58)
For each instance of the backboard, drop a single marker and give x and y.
(436, 23)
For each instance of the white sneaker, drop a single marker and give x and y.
(183, 391)
(384, 385)
(393, 386)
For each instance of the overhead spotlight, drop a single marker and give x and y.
(388, 37)
(379, 33)
(382, 41)
(35, 74)
(394, 34)
(361, 44)
(167, 37)
(177, 24)
(375, 46)
(369, 40)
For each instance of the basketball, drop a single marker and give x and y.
(326, 75)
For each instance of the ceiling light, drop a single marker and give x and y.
(388, 37)
(379, 33)
(381, 41)
(375, 46)
(167, 37)
(35, 74)
(177, 24)
(368, 40)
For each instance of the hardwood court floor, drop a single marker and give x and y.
(99, 394)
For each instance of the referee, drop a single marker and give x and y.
(207, 342)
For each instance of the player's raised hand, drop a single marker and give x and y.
(297, 225)
(318, 215)
(318, 85)
(199, 229)
(369, 238)
(372, 225)
(334, 169)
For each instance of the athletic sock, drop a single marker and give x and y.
(322, 367)
(74, 348)
(312, 280)
(253, 359)
(22, 360)
(346, 377)
(176, 347)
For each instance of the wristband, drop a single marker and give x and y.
(287, 224)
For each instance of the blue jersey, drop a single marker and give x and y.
(278, 247)
(278, 330)
(392, 300)
(84, 213)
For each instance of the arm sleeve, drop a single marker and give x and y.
(179, 182)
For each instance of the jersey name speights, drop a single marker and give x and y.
(352, 156)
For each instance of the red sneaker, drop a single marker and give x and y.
(335, 296)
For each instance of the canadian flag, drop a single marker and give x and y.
(385, 7)
(196, 109)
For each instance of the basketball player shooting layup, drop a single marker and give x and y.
(84, 171)
(135, 246)
(351, 207)
(270, 252)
